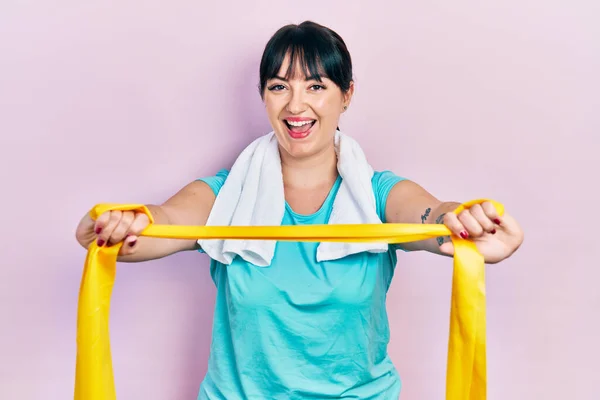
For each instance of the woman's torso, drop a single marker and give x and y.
(302, 329)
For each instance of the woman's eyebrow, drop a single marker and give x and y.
(308, 78)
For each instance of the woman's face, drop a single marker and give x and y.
(304, 112)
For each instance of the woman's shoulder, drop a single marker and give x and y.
(385, 177)
(216, 181)
(382, 183)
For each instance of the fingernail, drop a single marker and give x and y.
(100, 242)
(132, 243)
(496, 221)
(98, 230)
(493, 232)
(464, 234)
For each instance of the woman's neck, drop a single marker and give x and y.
(317, 170)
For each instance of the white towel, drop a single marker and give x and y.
(253, 195)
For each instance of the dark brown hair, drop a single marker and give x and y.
(322, 53)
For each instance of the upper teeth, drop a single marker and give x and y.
(299, 123)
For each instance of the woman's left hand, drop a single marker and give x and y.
(496, 238)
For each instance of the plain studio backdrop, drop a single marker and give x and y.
(127, 101)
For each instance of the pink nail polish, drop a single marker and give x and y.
(464, 234)
(493, 232)
(100, 242)
(98, 230)
(496, 221)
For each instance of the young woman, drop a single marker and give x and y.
(300, 328)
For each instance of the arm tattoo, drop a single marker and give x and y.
(439, 220)
(424, 216)
(441, 239)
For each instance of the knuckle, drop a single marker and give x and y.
(476, 208)
(128, 216)
(448, 218)
(140, 223)
(464, 215)
(115, 216)
(119, 232)
(456, 227)
(478, 228)
(452, 221)
(125, 227)
(117, 236)
(483, 220)
(141, 217)
(489, 209)
(103, 218)
(487, 227)
(452, 217)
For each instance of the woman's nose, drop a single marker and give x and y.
(297, 103)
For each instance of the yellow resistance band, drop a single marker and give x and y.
(466, 364)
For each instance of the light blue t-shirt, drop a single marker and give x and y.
(302, 329)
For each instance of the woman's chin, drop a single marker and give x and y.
(301, 148)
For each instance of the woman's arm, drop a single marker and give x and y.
(409, 203)
(189, 206)
(497, 238)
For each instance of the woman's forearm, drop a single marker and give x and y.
(435, 216)
(150, 248)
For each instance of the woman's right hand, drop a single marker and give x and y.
(111, 228)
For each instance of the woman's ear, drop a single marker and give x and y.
(348, 95)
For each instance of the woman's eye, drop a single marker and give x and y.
(276, 87)
(317, 87)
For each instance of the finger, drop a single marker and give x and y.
(447, 248)
(101, 222)
(480, 216)
(139, 223)
(491, 212)
(122, 228)
(455, 226)
(470, 223)
(107, 230)
(129, 245)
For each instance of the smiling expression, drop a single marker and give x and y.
(303, 110)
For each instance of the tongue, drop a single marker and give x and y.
(300, 129)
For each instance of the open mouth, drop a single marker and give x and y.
(299, 129)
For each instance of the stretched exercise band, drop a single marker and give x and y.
(466, 362)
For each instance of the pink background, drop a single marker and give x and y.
(129, 101)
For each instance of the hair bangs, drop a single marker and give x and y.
(318, 51)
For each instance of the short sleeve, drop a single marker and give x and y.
(216, 181)
(383, 182)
